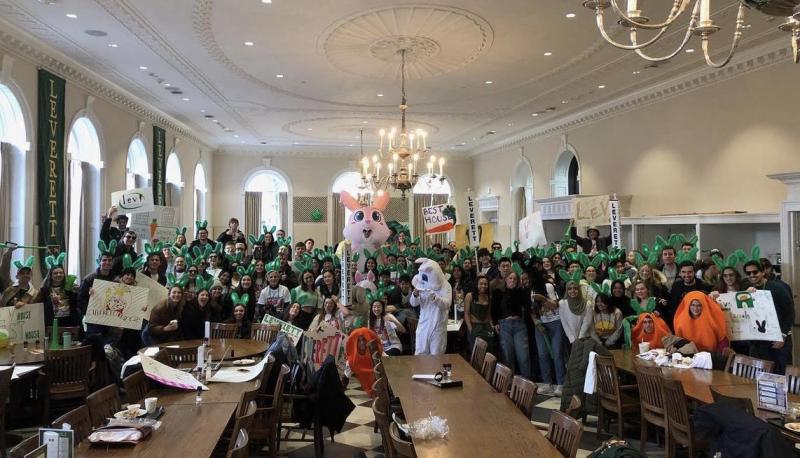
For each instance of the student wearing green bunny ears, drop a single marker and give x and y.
(202, 239)
(232, 233)
(22, 292)
(59, 294)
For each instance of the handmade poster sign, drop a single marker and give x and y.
(531, 231)
(293, 332)
(590, 211)
(169, 375)
(136, 200)
(155, 292)
(326, 340)
(772, 392)
(158, 224)
(24, 324)
(472, 222)
(614, 218)
(750, 316)
(485, 235)
(439, 218)
(118, 305)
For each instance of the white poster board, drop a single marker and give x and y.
(590, 211)
(437, 219)
(472, 221)
(24, 324)
(168, 375)
(160, 223)
(156, 293)
(531, 231)
(751, 316)
(293, 332)
(327, 340)
(136, 200)
(117, 305)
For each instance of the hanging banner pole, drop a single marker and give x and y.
(613, 216)
(159, 166)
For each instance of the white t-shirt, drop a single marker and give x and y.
(274, 299)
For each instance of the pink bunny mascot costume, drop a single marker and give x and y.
(433, 295)
(366, 227)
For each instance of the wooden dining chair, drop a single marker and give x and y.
(374, 346)
(245, 416)
(136, 387)
(223, 330)
(728, 354)
(241, 448)
(263, 377)
(613, 397)
(523, 393)
(103, 404)
(79, 420)
(501, 381)
(266, 423)
(749, 367)
(680, 430)
(25, 447)
(487, 367)
(793, 379)
(379, 370)
(66, 375)
(162, 356)
(178, 356)
(412, 332)
(651, 399)
(746, 404)
(402, 448)
(478, 353)
(74, 330)
(264, 332)
(564, 432)
(5, 392)
(380, 409)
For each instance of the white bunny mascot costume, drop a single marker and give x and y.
(433, 295)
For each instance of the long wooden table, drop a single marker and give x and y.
(242, 348)
(482, 422)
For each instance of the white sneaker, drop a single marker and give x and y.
(545, 389)
(557, 390)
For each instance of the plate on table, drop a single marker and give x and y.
(244, 362)
(793, 427)
(130, 415)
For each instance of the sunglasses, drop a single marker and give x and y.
(750, 273)
(130, 237)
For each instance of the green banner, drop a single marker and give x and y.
(50, 160)
(159, 166)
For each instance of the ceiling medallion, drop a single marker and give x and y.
(416, 48)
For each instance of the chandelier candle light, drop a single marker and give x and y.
(700, 23)
(401, 151)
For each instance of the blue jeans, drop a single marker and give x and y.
(556, 334)
(514, 342)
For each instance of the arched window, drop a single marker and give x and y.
(272, 190)
(13, 145)
(85, 162)
(350, 182)
(199, 192)
(522, 194)
(174, 181)
(567, 175)
(138, 171)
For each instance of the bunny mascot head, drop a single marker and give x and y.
(366, 228)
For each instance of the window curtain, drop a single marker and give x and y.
(89, 214)
(199, 204)
(283, 204)
(426, 200)
(252, 212)
(337, 219)
(174, 195)
(5, 191)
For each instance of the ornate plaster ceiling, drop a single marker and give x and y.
(316, 73)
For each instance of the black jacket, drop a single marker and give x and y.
(735, 434)
(586, 244)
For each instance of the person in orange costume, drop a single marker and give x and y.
(359, 361)
(649, 328)
(700, 319)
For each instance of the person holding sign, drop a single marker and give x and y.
(779, 352)
(58, 294)
(114, 233)
(593, 242)
(22, 292)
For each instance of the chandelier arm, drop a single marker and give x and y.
(678, 7)
(686, 37)
(737, 36)
(631, 47)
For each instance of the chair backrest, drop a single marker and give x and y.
(678, 424)
(23, 448)
(103, 404)
(749, 367)
(501, 381)
(5, 391)
(376, 358)
(136, 387)
(244, 417)
(79, 419)
(402, 448)
(487, 367)
(523, 393)
(74, 330)
(380, 409)
(478, 353)
(264, 332)
(263, 381)
(381, 389)
(178, 356)
(412, 332)
(607, 379)
(650, 396)
(277, 395)
(793, 379)
(746, 404)
(69, 367)
(565, 433)
(374, 347)
(223, 330)
(728, 354)
(241, 446)
(162, 356)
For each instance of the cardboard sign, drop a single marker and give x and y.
(24, 324)
(751, 316)
(531, 231)
(485, 232)
(438, 218)
(326, 340)
(472, 222)
(158, 224)
(590, 211)
(293, 332)
(136, 200)
(156, 293)
(169, 375)
(117, 305)
(772, 392)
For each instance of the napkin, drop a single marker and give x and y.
(423, 377)
(591, 372)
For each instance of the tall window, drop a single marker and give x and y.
(522, 193)
(566, 175)
(138, 171)
(274, 197)
(199, 192)
(85, 162)
(13, 145)
(174, 181)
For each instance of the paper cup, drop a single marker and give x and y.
(644, 347)
(150, 404)
(134, 407)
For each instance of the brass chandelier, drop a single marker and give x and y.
(700, 24)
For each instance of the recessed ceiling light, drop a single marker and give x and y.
(242, 142)
(166, 84)
(295, 143)
(202, 111)
(364, 122)
(570, 15)
(113, 45)
(72, 15)
(563, 101)
(534, 114)
(186, 99)
(636, 72)
(142, 67)
(310, 129)
(266, 1)
(510, 124)
(279, 75)
(216, 121)
(235, 136)
(690, 50)
(248, 43)
(350, 144)
(380, 95)
(488, 82)
(601, 86)
(548, 53)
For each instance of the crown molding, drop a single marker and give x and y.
(764, 56)
(28, 48)
(316, 153)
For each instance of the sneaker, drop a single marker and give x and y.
(545, 389)
(557, 390)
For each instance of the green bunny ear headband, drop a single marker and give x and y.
(299, 296)
(574, 277)
(268, 230)
(603, 288)
(273, 266)
(595, 262)
(285, 241)
(627, 321)
(53, 261)
(248, 270)
(153, 248)
(755, 255)
(172, 280)
(200, 225)
(370, 254)
(27, 264)
(542, 252)
(573, 256)
(303, 265)
(203, 285)
(691, 256)
(614, 276)
(129, 263)
(614, 253)
(204, 253)
(517, 269)
(180, 231)
(382, 268)
(731, 261)
(391, 250)
(234, 258)
(381, 291)
(219, 247)
(255, 240)
(407, 270)
(240, 300)
(432, 255)
(182, 251)
(109, 249)
(497, 255)
(651, 255)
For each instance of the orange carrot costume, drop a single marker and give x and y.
(358, 357)
(709, 331)
(660, 329)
